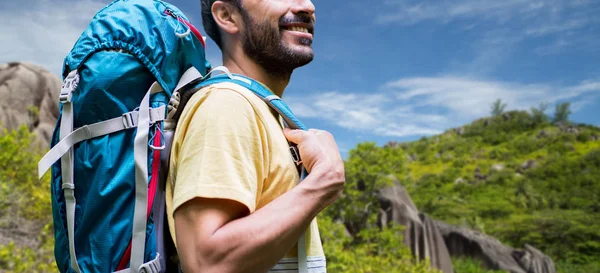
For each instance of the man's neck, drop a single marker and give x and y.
(247, 67)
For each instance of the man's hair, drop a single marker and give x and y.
(210, 26)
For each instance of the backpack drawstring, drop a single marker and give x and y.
(184, 34)
(153, 134)
(187, 29)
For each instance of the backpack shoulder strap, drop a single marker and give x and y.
(194, 81)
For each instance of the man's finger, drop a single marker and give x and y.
(294, 135)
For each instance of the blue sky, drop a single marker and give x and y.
(391, 70)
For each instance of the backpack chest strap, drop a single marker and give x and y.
(126, 121)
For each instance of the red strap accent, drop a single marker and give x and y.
(155, 168)
(123, 263)
(151, 193)
(194, 30)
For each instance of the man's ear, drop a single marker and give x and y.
(227, 17)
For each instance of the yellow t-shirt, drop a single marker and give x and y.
(228, 144)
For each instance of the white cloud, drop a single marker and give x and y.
(580, 104)
(565, 21)
(370, 113)
(544, 29)
(490, 51)
(557, 12)
(464, 97)
(429, 105)
(405, 12)
(42, 31)
(468, 98)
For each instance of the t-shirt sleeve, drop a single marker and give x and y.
(222, 152)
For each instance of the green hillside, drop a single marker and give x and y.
(517, 180)
(515, 176)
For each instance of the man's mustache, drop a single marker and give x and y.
(298, 18)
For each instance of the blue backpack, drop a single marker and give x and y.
(126, 81)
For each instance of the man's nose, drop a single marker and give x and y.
(303, 6)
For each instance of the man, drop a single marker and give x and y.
(233, 198)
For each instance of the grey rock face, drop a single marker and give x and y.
(421, 234)
(533, 260)
(497, 167)
(494, 255)
(464, 242)
(459, 180)
(459, 131)
(439, 241)
(529, 164)
(542, 134)
(23, 87)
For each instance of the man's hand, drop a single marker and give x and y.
(321, 158)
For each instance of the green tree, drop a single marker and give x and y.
(367, 170)
(372, 250)
(352, 240)
(24, 202)
(562, 112)
(497, 107)
(539, 114)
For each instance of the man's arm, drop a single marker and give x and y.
(218, 235)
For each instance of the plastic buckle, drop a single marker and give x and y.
(295, 155)
(65, 97)
(145, 268)
(69, 85)
(128, 120)
(151, 267)
(69, 186)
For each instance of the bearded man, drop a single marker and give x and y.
(234, 200)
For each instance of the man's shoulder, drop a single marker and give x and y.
(226, 98)
(223, 102)
(229, 91)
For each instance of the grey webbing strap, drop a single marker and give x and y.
(302, 259)
(126, 121)
(192, 74)
(149, 267)
(66, 163)
(187, 77)
(272, 97)
(269, 101)
(225, 70)
(140, 152)
(68, 186)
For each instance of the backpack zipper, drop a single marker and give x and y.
(194, 30)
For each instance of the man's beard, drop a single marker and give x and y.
(263, 43)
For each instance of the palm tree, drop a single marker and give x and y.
(497, 107)
(539, 114)
(562, 112)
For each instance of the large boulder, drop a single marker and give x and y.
(29, 96)
(493, 254)
(533, 260)
(439, 241)
(420, 234)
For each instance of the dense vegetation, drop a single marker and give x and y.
(519, 176)
(26, 239)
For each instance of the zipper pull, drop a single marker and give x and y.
(170, 13)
